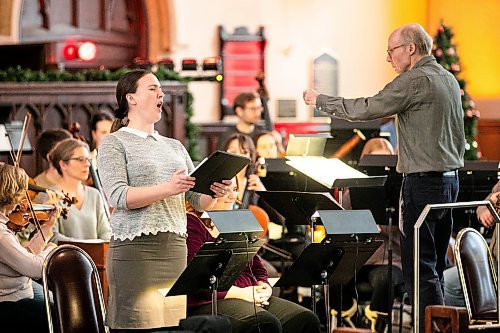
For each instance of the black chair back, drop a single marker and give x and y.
(73, 278)
(477, 275)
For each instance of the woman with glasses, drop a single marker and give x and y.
(86, 218)
(19, 307)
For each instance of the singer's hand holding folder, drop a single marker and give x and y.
(218, 166)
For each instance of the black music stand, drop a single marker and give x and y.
(298, 208)
(382, 201)
(341, 184)
(218, 264)
(235, 225)
(333, 260)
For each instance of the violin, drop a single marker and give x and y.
(22, 215)
(65, 196)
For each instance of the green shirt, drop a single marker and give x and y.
(429, 117)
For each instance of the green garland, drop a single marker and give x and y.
(18, 74)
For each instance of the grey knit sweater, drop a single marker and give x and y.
(130, 158)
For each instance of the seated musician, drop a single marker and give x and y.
(375, 269)
(453, 293)
(248, 108)
(100, 126)
(241, 144)
(248, 304)
(47, 140)
(86, 218)
(48, 177)
(266, 145)
(19, 264)
(249, 181)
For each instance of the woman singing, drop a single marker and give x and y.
(145, 179)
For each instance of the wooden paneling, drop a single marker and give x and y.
(58, 104)
(489, 139)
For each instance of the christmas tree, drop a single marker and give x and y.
(446, 54)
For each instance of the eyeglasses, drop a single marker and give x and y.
(80, 159)
(389, 51)
(254, 109)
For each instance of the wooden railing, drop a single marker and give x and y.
(58, 104)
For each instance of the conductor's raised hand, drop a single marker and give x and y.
(220, 189)
(310, 96)
(180, 182)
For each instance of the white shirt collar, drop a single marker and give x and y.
(141, 134)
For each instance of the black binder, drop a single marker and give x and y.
(218, 166)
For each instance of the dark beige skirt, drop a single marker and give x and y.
(136, 271)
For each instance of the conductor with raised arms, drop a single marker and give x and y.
(426, 101)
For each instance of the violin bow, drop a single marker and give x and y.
(17, 161)
(26, 124)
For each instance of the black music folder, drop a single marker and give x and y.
(218, 166)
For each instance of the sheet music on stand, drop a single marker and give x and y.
(283, 177)
(324, 170)
(14, 130)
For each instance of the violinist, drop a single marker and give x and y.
(86, 218)
(266, 145)
(249, 181)
(249, 303)
(18, 264)
(48, 177)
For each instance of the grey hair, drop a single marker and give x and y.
(414, 33)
